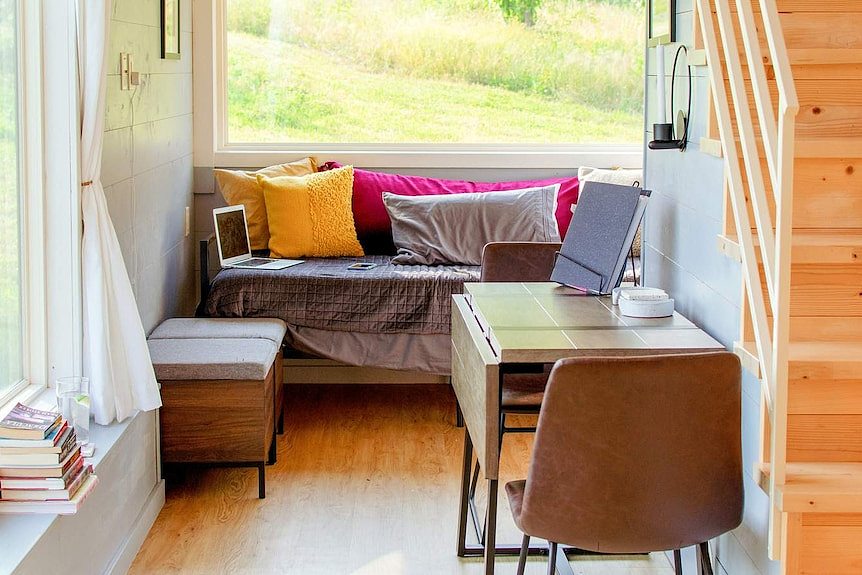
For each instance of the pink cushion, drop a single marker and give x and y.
(372, 222)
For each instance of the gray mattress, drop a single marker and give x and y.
(323, 294)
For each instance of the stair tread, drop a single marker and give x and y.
(809, 246)
(816, 237)
(819, 487)
(831, 351)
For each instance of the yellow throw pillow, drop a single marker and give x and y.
(311, 216)
(239, 187)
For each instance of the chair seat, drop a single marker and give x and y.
(523, 390)
(515, 493)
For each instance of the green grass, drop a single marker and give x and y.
(386, 71)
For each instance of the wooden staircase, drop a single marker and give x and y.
(786, 80)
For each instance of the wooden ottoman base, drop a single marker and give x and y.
(220, 422)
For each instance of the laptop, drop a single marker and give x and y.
(234, 249)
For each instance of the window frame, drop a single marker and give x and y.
(52, 337)
(211, 147)
(29, 214)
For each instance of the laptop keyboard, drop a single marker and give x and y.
(253, 262)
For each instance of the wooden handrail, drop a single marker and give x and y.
(757, 73)
(737, 196)
(751, 156)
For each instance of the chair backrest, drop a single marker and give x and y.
(518, 261)
(637, 454)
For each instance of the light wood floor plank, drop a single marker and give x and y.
(366, 483)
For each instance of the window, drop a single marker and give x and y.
(11, 272)
(432, 72)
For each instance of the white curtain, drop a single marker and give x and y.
(116, 357)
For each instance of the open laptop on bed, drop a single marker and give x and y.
(234, 249)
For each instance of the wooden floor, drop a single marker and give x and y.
(366, 483)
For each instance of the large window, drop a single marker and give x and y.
(433, 71)
(11, 272)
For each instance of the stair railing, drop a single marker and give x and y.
(745, 146)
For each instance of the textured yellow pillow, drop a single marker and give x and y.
(240, 187)
(311, 216)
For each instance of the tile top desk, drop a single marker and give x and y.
(500, 328)
(497, 327)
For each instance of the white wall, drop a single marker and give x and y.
(147, 160)
(682, 222)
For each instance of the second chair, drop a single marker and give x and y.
(634, 455)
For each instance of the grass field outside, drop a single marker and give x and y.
(431, 71)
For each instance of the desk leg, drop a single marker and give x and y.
(465, 488)
(491, 528)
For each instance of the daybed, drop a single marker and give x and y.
(392, 316)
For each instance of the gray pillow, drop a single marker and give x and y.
(454, 228)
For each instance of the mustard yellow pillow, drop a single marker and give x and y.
(239, 187)
(311, 216)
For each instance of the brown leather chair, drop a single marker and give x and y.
(634, 455)
(518, 261)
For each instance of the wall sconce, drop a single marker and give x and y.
(666, 135)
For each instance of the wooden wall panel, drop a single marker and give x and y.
(831, 550)
(830, 438)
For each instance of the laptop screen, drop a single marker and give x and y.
(231, 234)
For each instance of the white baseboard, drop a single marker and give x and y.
(133, 542)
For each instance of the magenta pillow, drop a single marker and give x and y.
(372, 222)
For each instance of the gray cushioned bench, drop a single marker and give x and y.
(222, 391)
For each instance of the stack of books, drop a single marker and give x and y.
(41, 466)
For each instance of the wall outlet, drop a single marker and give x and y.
(188, 221)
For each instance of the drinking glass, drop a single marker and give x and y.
(73, 400)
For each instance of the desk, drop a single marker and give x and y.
(500, 328)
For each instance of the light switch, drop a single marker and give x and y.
(124, 71)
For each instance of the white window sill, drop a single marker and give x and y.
(20, 533)
(439, 156)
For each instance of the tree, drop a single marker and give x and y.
(520, 10)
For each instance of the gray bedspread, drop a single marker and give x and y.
(324, 294)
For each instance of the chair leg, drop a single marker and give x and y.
(704, 561)
(459, 417)
(552, 558)
(677, 562)
(261, 480)
(522, 558)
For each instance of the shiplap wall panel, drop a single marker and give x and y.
(147, 160)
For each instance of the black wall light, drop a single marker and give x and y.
(666, 135)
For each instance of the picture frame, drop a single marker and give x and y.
(661, 26)
(170, 12)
